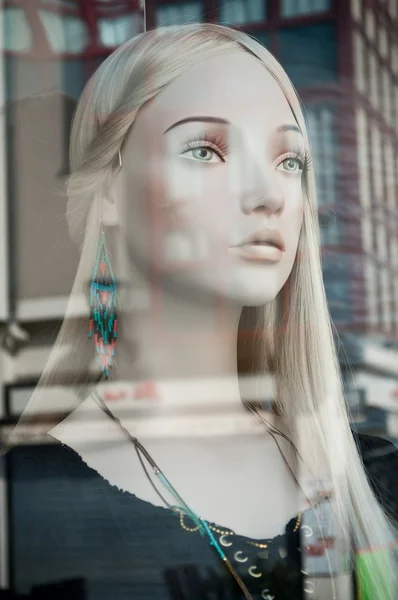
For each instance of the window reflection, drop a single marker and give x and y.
(242, 11)
(360, 67)
(17, 34)
(185, 12)
(309, 53)
(292, 8)
(336, 274)
(62, 3)
(324, 152)
(330, 228)
(23, 78)
(74, 76)
(264, 38)
(65, 33)
(113, 31)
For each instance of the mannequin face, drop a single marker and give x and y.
(221, 147)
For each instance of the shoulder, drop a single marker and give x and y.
(380, 459)
(43, 458)
(372, 447)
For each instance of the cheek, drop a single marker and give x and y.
(293, 221)
(192, 194)
(295, 207)
(299, 218)
(168, 185)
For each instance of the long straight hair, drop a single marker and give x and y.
(295, 335)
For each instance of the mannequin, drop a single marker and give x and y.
(180, 165)
(265, 195)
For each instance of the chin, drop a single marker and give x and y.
(256, 300)
(253, 291)
(250, 297)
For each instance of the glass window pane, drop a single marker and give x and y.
(23, 78)
(64, 3)
(74, 77)
(394, 52)
(292, 8)
(373, 79)
(193, 11)
(185, 12)
(330, 228)
(321, 128)
(65, 33)
(288, 8)
(383, 41)
(309, 53)
(370, 24)
(386, 95)
(17, 34)
(336, 278)
(356, 8)
(321, 5)
(41, 128)
(242, 11)
(263, 37)
(338, 298)
(114, 31)
(359, 61)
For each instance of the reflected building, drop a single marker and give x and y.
(56, 44)
(343, 59)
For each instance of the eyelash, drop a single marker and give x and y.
(217, 144)
(303, 156)
(214, 142)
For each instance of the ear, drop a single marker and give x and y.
(110, 213)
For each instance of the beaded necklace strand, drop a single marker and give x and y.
(202, 525)
(229, 532)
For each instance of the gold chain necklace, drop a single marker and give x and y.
(225, 532)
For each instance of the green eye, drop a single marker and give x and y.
(205, 150)
(292, 165)
(203, 153)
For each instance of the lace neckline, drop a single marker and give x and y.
(162, 509)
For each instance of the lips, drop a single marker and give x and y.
(270, 237)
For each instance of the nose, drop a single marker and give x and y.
(259, 188)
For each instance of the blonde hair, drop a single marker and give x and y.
(308, 386)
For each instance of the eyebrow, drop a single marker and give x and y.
(217, 120)
(284, 128)
(221, 121)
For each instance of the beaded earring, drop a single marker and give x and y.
(103, 317)
(103, 299)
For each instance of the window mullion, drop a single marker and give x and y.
(88, 13)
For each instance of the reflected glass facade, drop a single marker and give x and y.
(309, 54)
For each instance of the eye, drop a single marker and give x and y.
(292, 165)
(210, 148)
(203, 154)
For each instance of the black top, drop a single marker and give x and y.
(74, 533)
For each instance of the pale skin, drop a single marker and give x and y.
(225, 201)
(242, 171)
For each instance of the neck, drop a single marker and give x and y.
(179, 338)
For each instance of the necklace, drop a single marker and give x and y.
(205, 529)
(227, 533)
(202, 525)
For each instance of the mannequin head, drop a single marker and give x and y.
(252, 175)
(139, 92)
